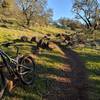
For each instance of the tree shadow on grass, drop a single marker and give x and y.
(93, 60)
(93, 69)
(53, 58)
(53, 71)
(44, 84)
(90, 58)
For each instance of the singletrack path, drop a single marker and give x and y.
(72, 84)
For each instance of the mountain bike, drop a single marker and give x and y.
(22, 68)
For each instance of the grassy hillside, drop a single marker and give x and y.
(48, 63)
(9, 34)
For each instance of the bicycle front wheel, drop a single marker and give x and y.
(27, 70)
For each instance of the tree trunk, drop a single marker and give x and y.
(83, 20)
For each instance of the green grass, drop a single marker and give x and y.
(47, 68)
(10, 34)
(92, 60)
(45, 63)
(48, 64)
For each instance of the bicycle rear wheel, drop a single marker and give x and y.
(27, 70)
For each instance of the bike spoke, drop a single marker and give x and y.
(26, 72)
(27, 68)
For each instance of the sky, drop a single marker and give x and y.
(61, 8)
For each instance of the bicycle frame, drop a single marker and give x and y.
(15, 69)
(7, 60)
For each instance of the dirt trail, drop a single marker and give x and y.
(72, 85)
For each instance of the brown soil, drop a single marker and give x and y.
(72, 85)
